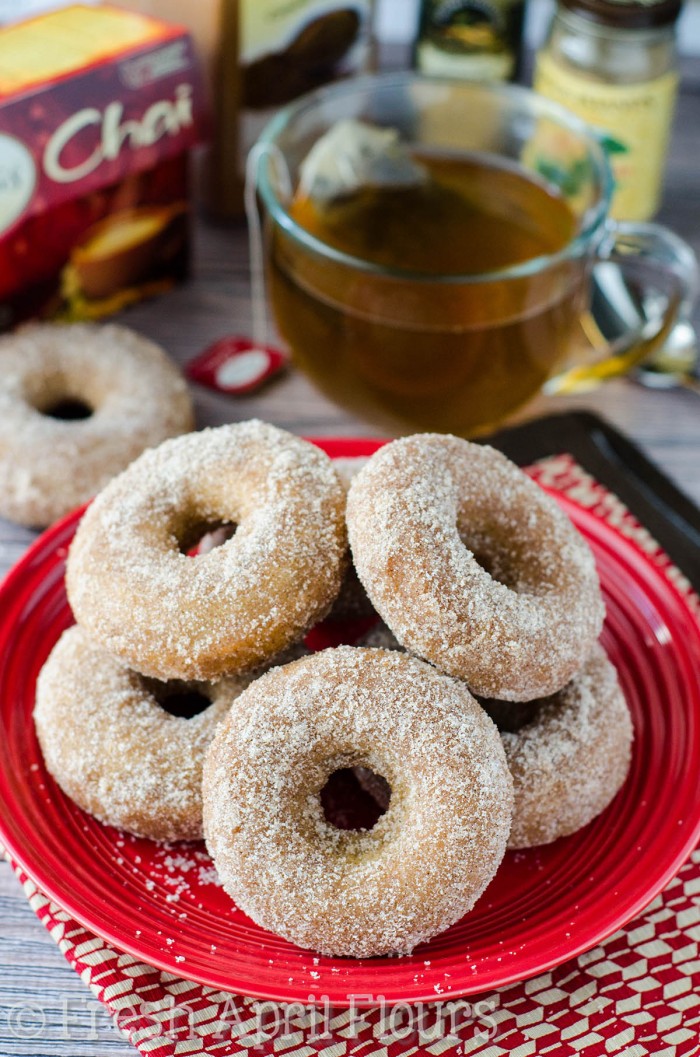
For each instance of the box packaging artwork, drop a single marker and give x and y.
(98, 109)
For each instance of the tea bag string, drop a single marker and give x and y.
(258, 290)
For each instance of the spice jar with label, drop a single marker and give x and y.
(614, 64)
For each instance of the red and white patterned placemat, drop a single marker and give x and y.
(636, 995)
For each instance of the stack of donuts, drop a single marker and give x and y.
(479, 715)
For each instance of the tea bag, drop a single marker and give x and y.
(365, 192)
(354, 155)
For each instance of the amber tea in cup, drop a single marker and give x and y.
(445, 303)
(460, 358)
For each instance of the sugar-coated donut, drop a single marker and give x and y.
(52, 461)
(137, 593)
(363, 892)
(473, 566)
(115, 749)
(570, 759)
(568, 754)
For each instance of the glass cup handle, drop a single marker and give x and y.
(649, 248)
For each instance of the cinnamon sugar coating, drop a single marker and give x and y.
(571, 758)
(115, 750)
(177, 617)
(474, 567)
(569, 754)
(428, 858)
(50, 466)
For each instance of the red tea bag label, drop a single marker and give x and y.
(236, 365)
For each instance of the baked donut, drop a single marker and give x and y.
(507, 715)
(362, 892)
(568, 754)
(134, 589)
(77, 404)
(116, 745)
(570, 759)
(473, 566)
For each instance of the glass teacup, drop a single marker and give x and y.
(446, 341)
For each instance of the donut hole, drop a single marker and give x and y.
(68, 409)
(490, 564)
(507, 558)
(179, 699)
(355, 798)
(504, 562)
(497, 562)
(201, 537)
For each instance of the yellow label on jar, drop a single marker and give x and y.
(635, 120)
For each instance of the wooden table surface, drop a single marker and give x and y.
(44, 1008)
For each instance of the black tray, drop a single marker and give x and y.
(671, 518)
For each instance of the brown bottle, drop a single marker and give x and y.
(269, 53)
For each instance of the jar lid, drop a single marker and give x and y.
(627, 14)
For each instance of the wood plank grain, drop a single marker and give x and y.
(45, 1008)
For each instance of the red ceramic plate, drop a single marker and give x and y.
(163, 905)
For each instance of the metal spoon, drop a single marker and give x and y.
(619, 309)
(672, 367)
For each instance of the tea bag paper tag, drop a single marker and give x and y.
(352, 155)
(236, 365)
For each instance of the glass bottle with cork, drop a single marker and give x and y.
(614, 63)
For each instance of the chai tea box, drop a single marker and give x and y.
(98, 110)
